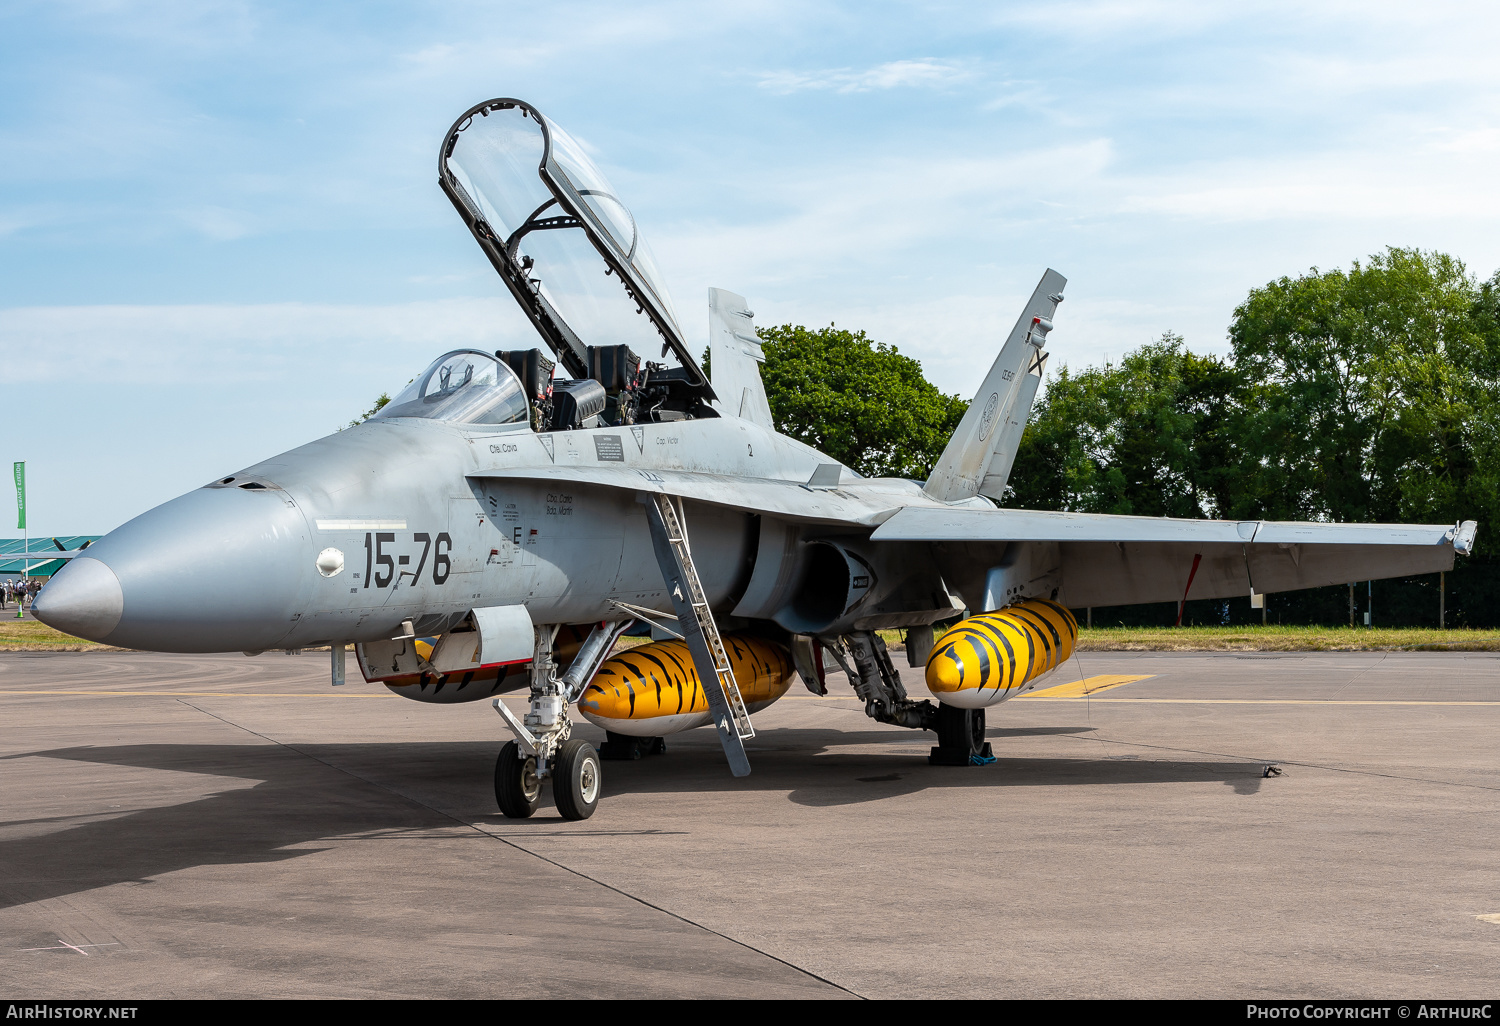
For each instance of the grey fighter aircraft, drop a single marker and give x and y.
(503, 521)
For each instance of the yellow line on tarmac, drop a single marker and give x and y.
(795, 698)
(189, 694)
(1266, 701)
(1086, 686)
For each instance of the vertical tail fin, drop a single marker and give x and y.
(735, 356)
(1009, 441)
(980, 453)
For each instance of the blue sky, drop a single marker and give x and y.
(221, 233)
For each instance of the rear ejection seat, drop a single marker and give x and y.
(535, 371)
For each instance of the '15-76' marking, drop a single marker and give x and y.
(377, 556)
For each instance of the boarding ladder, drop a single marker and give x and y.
(699, 630)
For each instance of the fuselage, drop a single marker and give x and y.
(346, 537)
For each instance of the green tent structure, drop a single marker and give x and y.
(14, 557)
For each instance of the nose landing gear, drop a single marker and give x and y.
(575, 774)
(543, 747)
(518, 789)
(575, 779)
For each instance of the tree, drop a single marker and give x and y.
(1367, 386)
(1151, 436)
(859, 401)
(1365, 395)
(380, 403)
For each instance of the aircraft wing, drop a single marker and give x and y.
(1107, 560)
(804, 502)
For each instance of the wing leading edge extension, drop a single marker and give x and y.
(790, 499)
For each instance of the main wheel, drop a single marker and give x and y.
(960, 729)
(518, 790)
(960, 737)
(576, 778)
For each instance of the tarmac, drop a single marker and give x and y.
(222, 826)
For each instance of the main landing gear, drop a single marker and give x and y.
(544, 748)
(960, 731)
(625, 748)
(960, 738)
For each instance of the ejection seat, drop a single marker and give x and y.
(564, 405)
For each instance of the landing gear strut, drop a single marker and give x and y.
(878, 684)
(960, 731)
(544, 746)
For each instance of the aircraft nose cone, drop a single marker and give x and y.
(215, 570)
(82, 599)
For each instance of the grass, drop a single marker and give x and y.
(1284, 639)
(33, 636)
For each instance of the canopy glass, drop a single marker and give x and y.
(463, 387)
(560, 229)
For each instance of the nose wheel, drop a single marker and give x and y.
(576, 781)
(518, 789)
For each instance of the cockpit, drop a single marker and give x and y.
(467, 386)
(573, 257)
(463, 387)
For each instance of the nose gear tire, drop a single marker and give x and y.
(576, 779)
(518, 791)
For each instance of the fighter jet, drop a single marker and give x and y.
(509, 515)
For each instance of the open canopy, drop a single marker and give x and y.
(551, 224)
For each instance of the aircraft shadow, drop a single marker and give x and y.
(295, 800)
(817, 768)
(316, 792)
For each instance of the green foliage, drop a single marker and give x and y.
(859, 401)
(1367, 395)
(1152, 436)
(380, 403)
(1374, 391)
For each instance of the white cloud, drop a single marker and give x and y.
(1332, 185)
(164, 346)
(924, 73)
(1479, 140)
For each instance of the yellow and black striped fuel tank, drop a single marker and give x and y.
(476, 684)
(654, 689)
(994, 656)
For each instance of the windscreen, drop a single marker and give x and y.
(500, 158)
(464, 387)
